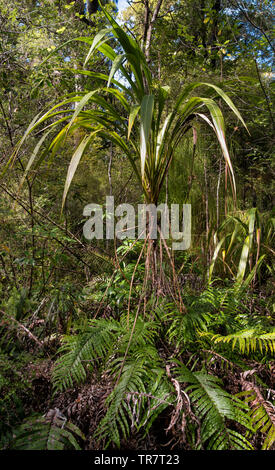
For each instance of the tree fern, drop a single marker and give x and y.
(214, 407)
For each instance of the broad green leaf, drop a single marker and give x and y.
(225, 97)
(135, 55)
(227, 100)
(218, 123)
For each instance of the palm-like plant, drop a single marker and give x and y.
(131, 112)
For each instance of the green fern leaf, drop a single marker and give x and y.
(116, 421)
(214, 406)
(262, 413)
(86, 347)
(46, 433)
(248, 341)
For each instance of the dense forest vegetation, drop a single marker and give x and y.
(126, 342)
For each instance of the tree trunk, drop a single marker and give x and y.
(149, 20)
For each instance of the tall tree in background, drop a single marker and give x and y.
(137, 123)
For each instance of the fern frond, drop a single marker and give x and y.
(202, 313)
(136, 401)
(247, 341)
(89, 345)
(46, 433)
(144, 334)
(220, 299)
(140, 394)
(161, 396)
(214, 406)
(116, 420)
(262, 413)
(101, 339)
(184, 327)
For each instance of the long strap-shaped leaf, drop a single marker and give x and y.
(74, 163)
(146, 114)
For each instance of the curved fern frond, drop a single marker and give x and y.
(262, 413)
(88, 346)
(141, 390)
(144, 334)
(160, 397)
(247, 341)
(200, 314)
(135, 402)
(101, 340)
(184, 327)
(214, 406)
(52, 432)
(218, 299)
(116, 419)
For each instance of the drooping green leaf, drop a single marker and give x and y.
(74, 163)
